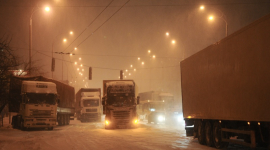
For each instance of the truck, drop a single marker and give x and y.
(119, 104)
(40, 102)
(88, 104)
(225, 89)
(155, 106)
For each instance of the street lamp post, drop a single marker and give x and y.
(30, 36)
(222, 17)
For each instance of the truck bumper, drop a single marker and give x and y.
(121, 124)
(39, 122)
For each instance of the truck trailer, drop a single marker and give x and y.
(88, 104)
(225, 89)
(40, 102)
(119, 104)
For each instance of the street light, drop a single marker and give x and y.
(222, 16)
(30, 35)
(64, 40)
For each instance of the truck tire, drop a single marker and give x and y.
(208, 134)
(201, 132)
(217, 136)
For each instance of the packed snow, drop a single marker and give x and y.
(85, 136)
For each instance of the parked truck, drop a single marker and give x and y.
(119, 104)
(88, 104)
(225, 89)
(40, 102)
(155, 106)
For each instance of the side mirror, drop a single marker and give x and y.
(138, 100)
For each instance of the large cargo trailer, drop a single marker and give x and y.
(40, 102)
(119, 104)
(88, 104)
(225, 89)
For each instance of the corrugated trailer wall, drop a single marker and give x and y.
(230, 80)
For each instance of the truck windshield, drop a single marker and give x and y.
(121, 100)
(41, 98)
(91, 103)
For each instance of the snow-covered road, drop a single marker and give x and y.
(85, 136)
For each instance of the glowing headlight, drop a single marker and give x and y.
(161, 118)
(136, 121)
(152, 109)
(107, 122)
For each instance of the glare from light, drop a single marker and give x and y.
(75, 63)
(78, 69)
(47, 9)
(126, 70)
(75, 48)
(129, 74)
(149, 51)
(139, 58)
(125, 76)
(161, 118)
(173, 41)
(82, 69)
(107, 122)
(134, 69)
(71, 32)
(154, 56)
(142, 63)
(167, 34)
(202, 7)
(136, 121)
(80, 58)
(211, 18)
(81, 65)
(64, 40)
(131, 66)
(70, 54)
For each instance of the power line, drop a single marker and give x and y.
(102, 24)
(89, 24)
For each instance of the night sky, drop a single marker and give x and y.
(111, 35)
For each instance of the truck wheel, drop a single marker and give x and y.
(217, 136)
(201, 132)
(208, 134)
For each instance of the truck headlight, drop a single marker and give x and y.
(161, 118)
(107, 122)
(135, 121)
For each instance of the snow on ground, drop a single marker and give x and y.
(84, 136)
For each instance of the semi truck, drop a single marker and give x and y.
(158, 107)
(88, 104)
(40, 102)
(225, 89)
(119, 104)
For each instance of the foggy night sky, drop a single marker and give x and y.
(139, 26)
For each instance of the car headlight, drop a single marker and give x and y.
(161, 118)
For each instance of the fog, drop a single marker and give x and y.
(110, 39)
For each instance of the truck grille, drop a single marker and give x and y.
(121, 117)
(91, 110)
(41, 112)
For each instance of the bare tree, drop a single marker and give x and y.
(8, 62)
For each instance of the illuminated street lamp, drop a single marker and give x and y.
(222, 16)
(30, 35)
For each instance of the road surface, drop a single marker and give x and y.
(85, 136)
